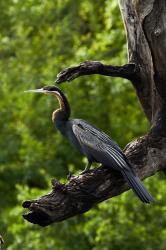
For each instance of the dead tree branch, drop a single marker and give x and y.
(84, 191)
(127, 71)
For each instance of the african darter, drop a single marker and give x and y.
(93, 143)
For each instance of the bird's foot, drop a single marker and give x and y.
(85, 171)
(87, 168)
(69, 176)
(1, 242)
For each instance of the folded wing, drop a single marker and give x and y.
(99, 147)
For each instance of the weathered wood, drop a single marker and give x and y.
(155, 31)
(127, 71)
(145, 23)
(84, 191)
(134, 13)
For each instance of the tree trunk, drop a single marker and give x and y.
(145, 23)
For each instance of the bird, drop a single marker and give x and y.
(93, 143)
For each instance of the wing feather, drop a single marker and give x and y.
(99, 134)
(97, 146)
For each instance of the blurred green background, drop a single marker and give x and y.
(37, 40)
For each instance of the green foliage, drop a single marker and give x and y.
(37, 40)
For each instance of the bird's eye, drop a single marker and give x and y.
(50, 88)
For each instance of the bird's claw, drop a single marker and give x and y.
(1, 241)
(69, 176)
(85, 171)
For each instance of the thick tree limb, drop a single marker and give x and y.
(155, 31)
(127, 71)
(134, 14)
(84, 191)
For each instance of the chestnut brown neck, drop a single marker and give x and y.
(63, 113)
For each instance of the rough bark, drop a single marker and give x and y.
(84, 191)
(145, 23)
(127, 71)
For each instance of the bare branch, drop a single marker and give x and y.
(94, 67)
(84, 191)
(129, 71)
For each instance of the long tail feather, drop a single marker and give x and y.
(137, 187)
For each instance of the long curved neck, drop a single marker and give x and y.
(63, 113)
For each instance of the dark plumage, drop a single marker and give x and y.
(93, 143)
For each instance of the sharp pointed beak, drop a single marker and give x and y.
(37, 91)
